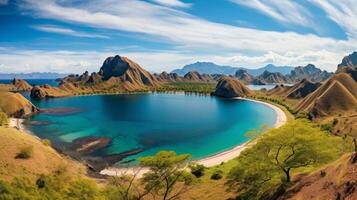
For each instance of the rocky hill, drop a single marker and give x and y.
(194, 76)
(15, 105)
(297, 91)
(244, 76)
(273, 77)
(310, 72)
(349, 65)
(230, 87)
(335, 96)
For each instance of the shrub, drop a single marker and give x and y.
(218, 174)
(46, 142)
(4, 120)
(197, 170)
(25, 152)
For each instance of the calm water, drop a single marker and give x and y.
(199, 125)
(33, 82)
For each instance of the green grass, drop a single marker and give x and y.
(194, 87)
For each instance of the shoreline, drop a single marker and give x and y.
(209, 161)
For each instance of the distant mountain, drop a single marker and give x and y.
(273, 77)
(34, 75)
(206, 68)
(310, 72)
(212, 68)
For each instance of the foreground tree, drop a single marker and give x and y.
(166, 170)
(269, 164)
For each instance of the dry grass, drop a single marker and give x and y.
(44, 159)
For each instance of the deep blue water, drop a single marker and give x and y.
(34, 82)
(199, 125)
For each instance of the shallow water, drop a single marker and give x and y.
(199, 125)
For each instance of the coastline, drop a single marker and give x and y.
(209, 161)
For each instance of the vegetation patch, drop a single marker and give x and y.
(268, 167)
(25, 152)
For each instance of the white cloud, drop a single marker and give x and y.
(287, 11)
(193, 37)
(67, 31)
(180, 28)
(343, 12)
(15, 60)
(172, 3)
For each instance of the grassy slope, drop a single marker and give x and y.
(45, 160)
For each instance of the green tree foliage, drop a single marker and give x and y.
(269, 164)
(4, 120)
(197, 170)
(166, 170)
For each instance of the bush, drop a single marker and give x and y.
(4, 120)
(197, 170)
(25, 152)
(218, 174)
(46, 142)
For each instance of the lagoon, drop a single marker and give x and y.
(196, 124)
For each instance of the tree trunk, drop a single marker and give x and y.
(287, 174)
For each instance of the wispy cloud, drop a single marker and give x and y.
(173, 3)
(343, 12)
(67, 31)
(179, 28)
(286, 11)
(193, 38)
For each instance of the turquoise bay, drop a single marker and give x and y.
(194, 124)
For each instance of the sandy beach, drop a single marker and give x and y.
(210, 161)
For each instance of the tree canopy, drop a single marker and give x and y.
(270, 163)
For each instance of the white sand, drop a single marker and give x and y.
(208, 161)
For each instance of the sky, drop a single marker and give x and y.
(72, 36)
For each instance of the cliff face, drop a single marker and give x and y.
(15, 105)
(230, 87)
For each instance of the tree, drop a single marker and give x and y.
(269, 163)
(166, 170)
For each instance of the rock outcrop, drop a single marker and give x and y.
(21, 85)
(230, 87)
(15, 105)
(310, 72)
(47, 91)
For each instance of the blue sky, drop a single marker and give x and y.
(74, 36)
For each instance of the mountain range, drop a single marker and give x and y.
(212, 68)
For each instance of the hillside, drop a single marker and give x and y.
(297, 91)
(44, 159)
(231, 87)
(15, 105)
(16, 85)
(335, 96)
(335, 181)
(273, 77)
